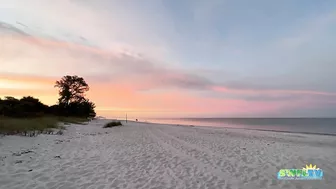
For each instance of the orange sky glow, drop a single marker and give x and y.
(146, 71)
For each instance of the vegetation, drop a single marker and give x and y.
(28, 115)
(74, 120)
(72, 101)
(35, 125)
(112, 124)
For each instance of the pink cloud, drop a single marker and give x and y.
(271, 91)
(119, 80)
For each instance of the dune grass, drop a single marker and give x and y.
(112, 124)
(75, 120)
(34, 126)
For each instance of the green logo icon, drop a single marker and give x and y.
(309, 172)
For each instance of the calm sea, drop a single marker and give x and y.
(300, 125)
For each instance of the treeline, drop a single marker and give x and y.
(72, 102)
(32, 107)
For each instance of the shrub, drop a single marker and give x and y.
(112, 124)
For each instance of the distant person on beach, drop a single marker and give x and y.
(136, 119)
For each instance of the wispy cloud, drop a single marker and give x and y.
(210, 62)
(114, 65)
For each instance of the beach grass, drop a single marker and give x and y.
(74, 120)
(37, 125)
(112, 124)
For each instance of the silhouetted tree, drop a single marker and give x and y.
(71, 89)
(10, 106)
(54, 110)
(25, 107)
(80, 109)
(32, 106)
(72, 101)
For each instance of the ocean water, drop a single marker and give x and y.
(325, 126)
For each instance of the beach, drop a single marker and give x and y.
(159, 156)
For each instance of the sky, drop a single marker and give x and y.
(175, 58)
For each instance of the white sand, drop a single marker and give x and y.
(149, 156)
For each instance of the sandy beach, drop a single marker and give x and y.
(154, 156)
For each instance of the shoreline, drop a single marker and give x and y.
(225, 127)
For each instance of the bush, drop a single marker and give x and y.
(112, 124)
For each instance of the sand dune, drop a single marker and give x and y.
(152, 156)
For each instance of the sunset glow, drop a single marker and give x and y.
(199, 60)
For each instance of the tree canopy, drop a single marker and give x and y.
(71, 89)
